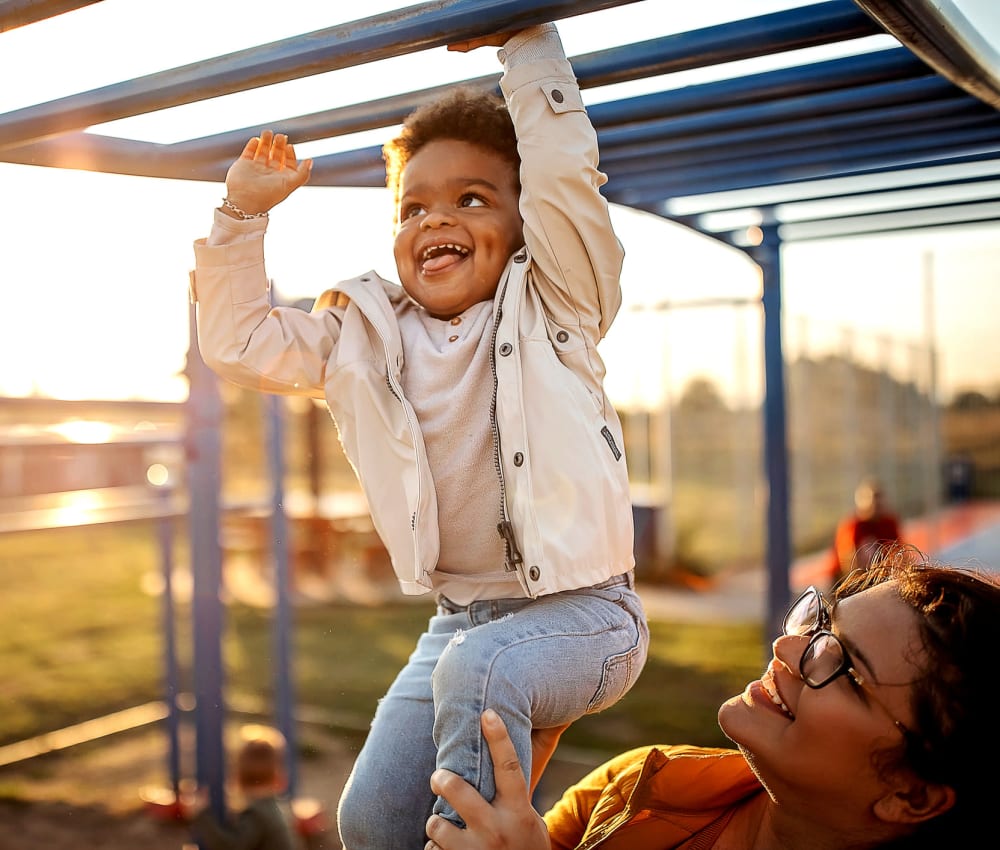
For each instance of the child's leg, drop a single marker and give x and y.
(538, 663)
(388, 799)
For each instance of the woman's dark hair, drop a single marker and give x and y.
(463, 114)
(956, 698)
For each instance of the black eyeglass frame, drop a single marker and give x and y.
(820, 631)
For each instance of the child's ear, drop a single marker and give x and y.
(915, 801)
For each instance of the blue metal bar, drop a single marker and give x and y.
(394, 33)
(929, 215)
(19, 13)
(801, 133)
(823, 23)
(764, 35)
(911, 175)
(204, 420)
(842, 74)
(779, 549)
(796, 28)
(806, 142)
(830, 161)
(832, 103)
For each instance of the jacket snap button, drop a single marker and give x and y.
(562, 336)
(506, 348)
(534, 573)
(520, 257)
(518, 458)
(557, 96)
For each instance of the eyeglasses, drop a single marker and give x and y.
(825, 657)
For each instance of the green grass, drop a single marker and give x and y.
(81, 638)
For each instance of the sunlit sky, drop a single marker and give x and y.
(94, 267)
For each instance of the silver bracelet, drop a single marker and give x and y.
(243, 214)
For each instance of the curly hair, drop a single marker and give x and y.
(955, 698)
(463, 114)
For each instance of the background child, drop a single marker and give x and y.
(470, 402)
(859, 536)
(261, 778)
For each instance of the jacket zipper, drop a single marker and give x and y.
(512, 555)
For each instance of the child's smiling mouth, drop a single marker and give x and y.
(437, 258)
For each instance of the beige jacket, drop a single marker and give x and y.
(566, 508)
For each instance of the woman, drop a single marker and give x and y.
(869, 728)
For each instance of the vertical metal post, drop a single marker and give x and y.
(768, 256)
(282, 623)
(932, 430)
(801, 440)
(204, 421)
(171, 685)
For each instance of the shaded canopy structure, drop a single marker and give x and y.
(890, 135)
(886, 138)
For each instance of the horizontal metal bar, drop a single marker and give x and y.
(831, 161)
(764, 35)
(19, 13)
(705, 151)
(940, 33)
(792, 29)
(770, 86)
(394, 33)
(862, 181)
(928, 183)
(894, 220)
(785, 111)
(207, 159)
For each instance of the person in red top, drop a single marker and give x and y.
(859, 536)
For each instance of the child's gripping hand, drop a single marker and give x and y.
(498, 39)
(266, 173)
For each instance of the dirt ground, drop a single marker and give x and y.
(92, 796)
(95, 795)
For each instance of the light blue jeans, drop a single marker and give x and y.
(538, 662)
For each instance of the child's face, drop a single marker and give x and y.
(458, 225)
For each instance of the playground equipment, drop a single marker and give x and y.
(755, 147)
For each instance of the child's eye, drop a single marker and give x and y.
(410, 211)
(472, 201)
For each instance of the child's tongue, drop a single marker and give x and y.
(441, 261)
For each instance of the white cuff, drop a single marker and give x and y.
(530, 45)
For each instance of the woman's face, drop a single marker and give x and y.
(819, 744)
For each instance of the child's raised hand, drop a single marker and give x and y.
(266, 173)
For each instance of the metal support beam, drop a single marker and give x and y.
(942, 34)
(767, 255)
(282, 626)
(204, 453)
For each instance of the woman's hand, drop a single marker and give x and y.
(266, 173)
(509, 821)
